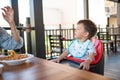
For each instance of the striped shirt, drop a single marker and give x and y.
(7, 42)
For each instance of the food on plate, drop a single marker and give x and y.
(12, 55)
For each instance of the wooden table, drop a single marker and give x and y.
(40, 69)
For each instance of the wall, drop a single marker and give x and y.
(54, 16)
(62, 11)
(66, 9)
(118, 14)
(24, 11)
(3, 3)
(113, 21)
(97, 12)
(71, 11)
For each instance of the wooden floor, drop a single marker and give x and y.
(112, 65)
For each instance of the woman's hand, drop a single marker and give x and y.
(8, 14)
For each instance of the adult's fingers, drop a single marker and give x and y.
(3, 14)
(4, 10)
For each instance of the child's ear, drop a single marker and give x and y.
(87, 34)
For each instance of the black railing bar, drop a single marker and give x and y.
(19, 28)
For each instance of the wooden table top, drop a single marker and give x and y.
(40, 69)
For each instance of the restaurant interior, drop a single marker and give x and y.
(47, 28)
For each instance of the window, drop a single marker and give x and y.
(3, 3)
(24, 10)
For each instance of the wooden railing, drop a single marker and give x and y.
(67, 35)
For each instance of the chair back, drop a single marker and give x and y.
(56, 42)
(99, 50)
(103, 36)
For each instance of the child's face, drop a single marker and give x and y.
(80, 32)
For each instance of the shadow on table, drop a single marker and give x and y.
(70, 63)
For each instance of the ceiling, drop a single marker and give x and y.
(118, 1)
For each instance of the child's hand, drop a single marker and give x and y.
(85, 65)
(56, 60)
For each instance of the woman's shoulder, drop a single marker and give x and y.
(2, 29)
(3, 32)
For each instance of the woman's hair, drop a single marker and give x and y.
(89, 26)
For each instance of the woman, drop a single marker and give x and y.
(13, 41)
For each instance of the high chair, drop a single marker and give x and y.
(97, 66)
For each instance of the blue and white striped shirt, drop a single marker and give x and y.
(7, 42)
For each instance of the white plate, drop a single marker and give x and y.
(17, 62)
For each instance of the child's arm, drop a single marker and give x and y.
(62, 56)
(87, 62)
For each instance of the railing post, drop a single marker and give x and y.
(99, 28)
(73, 30)
(28, 35)
(60, 28)
(113, 29)
(22, 35)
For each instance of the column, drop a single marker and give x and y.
(14, 4)
(86, 9)
(38, 40)
(118, 14)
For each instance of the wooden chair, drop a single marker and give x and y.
(108, 43)
(56, 44)
(97, 66)
(118, 41)
(117, 31)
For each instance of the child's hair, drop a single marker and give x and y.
(89, 26)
